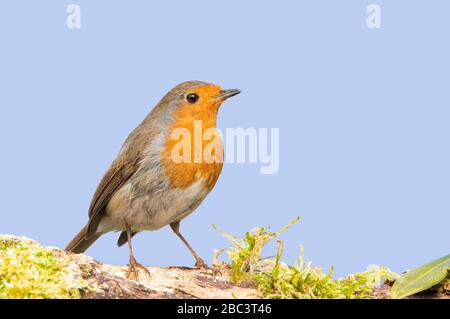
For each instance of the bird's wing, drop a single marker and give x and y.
(120, 171)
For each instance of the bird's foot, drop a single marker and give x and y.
(200, 264)
(216, 270)
(133, 269)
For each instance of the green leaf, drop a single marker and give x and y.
(285, 228)
(234, 239)
(421, 278)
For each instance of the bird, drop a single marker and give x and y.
(146, 187)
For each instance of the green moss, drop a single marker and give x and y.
(245, 254)
(275, 279)
(28, 270)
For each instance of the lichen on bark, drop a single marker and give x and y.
(28, 270)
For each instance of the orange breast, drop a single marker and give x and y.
(204, 140)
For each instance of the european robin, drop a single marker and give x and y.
(145, 188)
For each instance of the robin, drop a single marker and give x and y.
(145, 188)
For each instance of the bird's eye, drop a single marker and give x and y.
(192, 98)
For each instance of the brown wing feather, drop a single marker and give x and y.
(119, 173)
(114, 178)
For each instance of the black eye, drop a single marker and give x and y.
(192, 98)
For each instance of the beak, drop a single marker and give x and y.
(225, 94)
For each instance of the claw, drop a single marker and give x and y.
(133, 271)
(200, 264)
(216, 271)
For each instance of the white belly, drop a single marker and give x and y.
(151, 212)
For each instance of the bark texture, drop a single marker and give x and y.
(95, 280)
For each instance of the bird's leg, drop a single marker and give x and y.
(199, 263)
(134, 265)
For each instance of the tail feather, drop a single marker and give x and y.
(123, 238)
(79, 244)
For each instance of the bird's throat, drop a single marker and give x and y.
(193, 149)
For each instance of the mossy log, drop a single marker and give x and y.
(28, 270)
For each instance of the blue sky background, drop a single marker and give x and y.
(363, 117)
